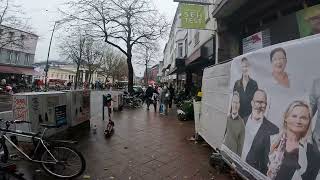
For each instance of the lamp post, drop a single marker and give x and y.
(47, 63)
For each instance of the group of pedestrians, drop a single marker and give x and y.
(163, 94)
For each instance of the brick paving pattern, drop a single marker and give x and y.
(145, 146)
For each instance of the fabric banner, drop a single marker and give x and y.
(273, 121)
(192, 16)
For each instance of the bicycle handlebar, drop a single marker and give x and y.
(21, 121)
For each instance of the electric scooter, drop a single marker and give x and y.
(109, 128)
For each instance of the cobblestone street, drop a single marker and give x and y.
(145, 145)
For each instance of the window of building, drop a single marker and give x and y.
(17, 58)
(196, 38)
(52, 75)
(23, 37)
(61, 77)
(10, 56)
(65, 76)
(27, 62)
(57, 75)
(11, 34)
(186, 48)
(180, 49)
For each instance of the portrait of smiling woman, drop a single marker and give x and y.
(292, 153)
(278, 58)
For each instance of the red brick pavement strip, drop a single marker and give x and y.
(145, 146)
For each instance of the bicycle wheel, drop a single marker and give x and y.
(138, 102)
(6, 175)
(70, 162)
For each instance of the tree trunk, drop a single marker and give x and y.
(77, 77)
(90, 76)
(130, 73)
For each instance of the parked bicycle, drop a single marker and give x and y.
(132, 101)
(56, 158)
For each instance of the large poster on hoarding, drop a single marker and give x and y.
(273, 121)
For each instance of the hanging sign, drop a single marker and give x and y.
(192, 16)
(202, 2)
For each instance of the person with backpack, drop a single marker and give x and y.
(150, 97)
(164, 100)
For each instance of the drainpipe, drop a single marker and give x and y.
(217, 41)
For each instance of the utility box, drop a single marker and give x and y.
(117, 103)
(40, 108)
(78, 107)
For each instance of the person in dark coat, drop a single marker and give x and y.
(246, 87)
(258, 130)
(149, 97)
(171, 90)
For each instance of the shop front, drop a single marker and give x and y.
(248, 25)
(195, 64)
(20, 78)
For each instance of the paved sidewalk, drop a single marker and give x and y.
(145, 146)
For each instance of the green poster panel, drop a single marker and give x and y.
(192, 16)
(309, 21)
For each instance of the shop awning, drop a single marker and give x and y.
(6, 69)
(194, 56)
(18, 70)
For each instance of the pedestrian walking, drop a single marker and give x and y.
(151, 97)
(171, 90)
(164, 100)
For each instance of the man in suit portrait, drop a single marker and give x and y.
(258, 130)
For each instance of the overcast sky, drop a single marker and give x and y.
(43, 13)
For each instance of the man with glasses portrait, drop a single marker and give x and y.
(258, 130)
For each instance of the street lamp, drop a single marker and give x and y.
(47, 63)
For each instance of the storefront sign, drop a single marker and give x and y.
(273, 122)
(202, 2)
(192, 16)
(252, 42)
(256, 41)
(309, 21)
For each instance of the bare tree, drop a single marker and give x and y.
(73, 48)
(93, 57)
(11, 18)
(147, 56)
(114, 65)
(120, 23)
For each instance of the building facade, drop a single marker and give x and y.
(247, 25)
(17, 51)
(188, 52)
(233, 28)
(17, 47)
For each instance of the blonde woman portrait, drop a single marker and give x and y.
(292, 153)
